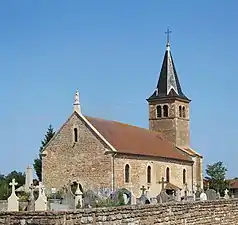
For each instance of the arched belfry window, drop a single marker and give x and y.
(158, 111)
(180, 111)
(127, 173)
(149, 174)
(184, 112)
(75, 135)
(167, 174)
(184, 176)
(165, 111)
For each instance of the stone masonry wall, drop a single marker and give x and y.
(175, 128)
(196, 213)
(84, 160)
(138, 174)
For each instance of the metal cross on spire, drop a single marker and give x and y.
(168, 32)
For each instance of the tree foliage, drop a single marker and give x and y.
(216, 174)
(38, 161)
(5, 189)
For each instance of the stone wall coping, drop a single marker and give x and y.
(134, 208)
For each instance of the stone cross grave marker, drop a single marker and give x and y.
(31, 200)
(163, 182)
(143, 199)
(41, 201)
(226, 194)
(143, 189)
(13, 204)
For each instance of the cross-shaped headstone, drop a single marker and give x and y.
(198, 187)
(13, 184)
(162, 182)
(31, 197)
(143, 189)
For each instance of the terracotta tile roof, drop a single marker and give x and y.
(170, 186)
(130, 139)
(234, 184)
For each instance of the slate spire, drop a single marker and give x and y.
(168, 84)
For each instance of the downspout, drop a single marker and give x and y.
(192, 177)
(113, 171)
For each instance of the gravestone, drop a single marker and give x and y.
(211, 194)
(12, 201)
(78, 198)
(90, 199)
(198, 192)
(31, 199)
(178, 196)
(41, 202)
(162, 197)
(162, 182)
(226, 195)
(218, 195)
(133, 197)
(203, 196)
(143, 199)
(68, 198)
(125, 193)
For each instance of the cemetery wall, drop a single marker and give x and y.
(223, 212)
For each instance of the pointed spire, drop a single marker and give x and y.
(76, 102)
(168, 84)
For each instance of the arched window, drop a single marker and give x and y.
(127, 173)
(149, 174)
(75, 135)
(167, 174)
(180, 111)
(165, 111)
(158, 111)
(184, 176)
(184, 112)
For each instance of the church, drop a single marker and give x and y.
(107, 155)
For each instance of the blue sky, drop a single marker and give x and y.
(112, 51)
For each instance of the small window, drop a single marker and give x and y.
(184, 112)
(180, 111)
(75, 135)
(149, 174)
(167, 174)
(184, 176)
(165, 111)
(127, 173)
(158, 111)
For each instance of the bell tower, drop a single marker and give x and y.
(168, 106)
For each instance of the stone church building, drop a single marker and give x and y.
(103, 154)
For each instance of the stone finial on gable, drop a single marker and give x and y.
(77, 102)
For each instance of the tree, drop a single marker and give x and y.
(5, 189)
(216, 174)
(38, 161)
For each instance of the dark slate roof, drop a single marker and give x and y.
(162, 86)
